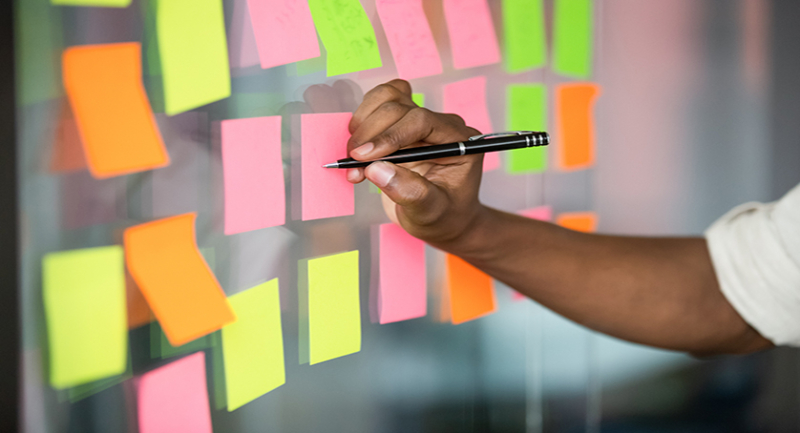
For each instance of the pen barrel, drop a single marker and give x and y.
(423, 153)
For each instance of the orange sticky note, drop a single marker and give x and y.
(115, 121)
(575, 128)
(139, 313)
(164, 260)
(471, 291)
(578, 221)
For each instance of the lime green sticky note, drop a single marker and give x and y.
(193, 52)
(347, 35)
(524, 35)
(252, 346)
(527, 111)
(418, 98)
(572, 38)
(101, 3)
(84, 303)
(334, 312)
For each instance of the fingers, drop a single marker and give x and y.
(381, 119)
(396, 91)
(422, 202)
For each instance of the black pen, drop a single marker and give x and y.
(477, 144)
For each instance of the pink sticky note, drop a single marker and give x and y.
(410, 38)
(253, 173)
(174, 398)
(467, 98)
(325, 192)
(241, 38)
(402, 292)
(472, 38)
(542, 213)
(284, 30)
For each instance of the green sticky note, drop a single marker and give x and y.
(527, 111)
(334, 312)
(37, 40)
(418, 98)
(252, 346)
(193, 53)
(524, 35)
(347, 35)
(572, 38)
(84, 303)
(101, 3)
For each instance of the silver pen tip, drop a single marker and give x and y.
(331, 165)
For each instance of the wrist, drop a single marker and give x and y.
(473, 241)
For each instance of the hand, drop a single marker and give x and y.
(437, 200)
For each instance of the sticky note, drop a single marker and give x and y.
(193, 53)
(284, 31)
(36, 68)
(184, 294)
(467, 98)
(325, 192)
(334, 311)
(67, 154)
(347, 34)
(242, 48)
(410, 38)
(418, 98)
(572, 37)
(174, 398)
(470, 291)
(578, 221)
(115, 121)
(402, 289)
(527, 111)
(98, 3)
(139, 313)
(473, 41)
(253, 172)
(84, 303)
(575, 131)
(524, 35)
(253, 345)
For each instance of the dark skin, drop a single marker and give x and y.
(661, 292)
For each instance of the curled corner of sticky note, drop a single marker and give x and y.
(575, 120)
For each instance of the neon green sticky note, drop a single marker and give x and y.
(334, 312)
(194, 53)
(524, 35)
(572, 38)
(100, 3)
(252, 346)
(527, 111)
(418, 98)
(84, 303)
(347, 34)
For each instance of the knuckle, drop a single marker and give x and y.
(384, 92)
(391, 107)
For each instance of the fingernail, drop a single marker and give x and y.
(363, 150)
(381, 173)
(352, 174)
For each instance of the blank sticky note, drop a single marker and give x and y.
(97, 3)
(524, 35)
(467, 98)
(334, 311)
(347, 34)
(575, 131)
(418, 98)
(252, 167)
(84, 304)
(410, 38)
(527, 111)
(115, 121)
(473, 41)
(242, 47)
(578, 221)
(284, 31)
(402, 290)
(470, 291)
(253, 345)
(325, 192)
(193, 52)
(184, 294)
(174, 398)
(572, 37)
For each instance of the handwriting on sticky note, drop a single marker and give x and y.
(284, 31)
(184, 294)
(527, 111)
(325, 192)
(115, 121)
(410, 38)
(574, 103)
(242, 47)
(174, 398)
(524, 35)
(84, 304)
(572, 37)
(402, 288)
(194, 53)
(347, 34)
(470, 291)
(253, 172)
(467, 98)
(578, 221)
(472, 38)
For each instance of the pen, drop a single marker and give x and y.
(477, 144)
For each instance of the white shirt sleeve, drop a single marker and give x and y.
(755, 249)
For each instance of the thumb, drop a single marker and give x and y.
(421, 202)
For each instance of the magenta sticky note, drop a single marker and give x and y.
(467, 98)
(473, 41)
(241, 38)
(253, 174)
(284, 31)
(543, 213)
(325, 192)
(410, 38)
(402, 289)
(174, 398)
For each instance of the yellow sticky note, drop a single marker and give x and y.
(84, 303)
(98, 3)
(252, 347)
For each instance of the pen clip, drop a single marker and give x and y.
(499, 134)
